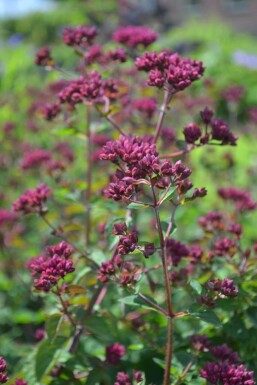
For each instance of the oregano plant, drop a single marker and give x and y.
(127, 297)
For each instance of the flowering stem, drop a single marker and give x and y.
(95, 299)
(64, 307)
(152, 304)
(169, 345)
(89, 177)
(110, 120)
(166, 100)
(171, 222)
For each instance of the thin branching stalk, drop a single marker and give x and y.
(163, 110)
(88, 176)
(169, 344)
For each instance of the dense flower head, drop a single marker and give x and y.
(233, 94)
(88, 87)
(7, 218)
(50, 110)
(211, 221)
(35, 158)
(32, 201)
(224, 352)
(51, 266)
(225, 246)
(20, 381)
(118, 54)
(122, 379)
(138, 162)
(225, 373)
(3, 373)
(120, 228)
(63, 249)
(147, 106)
(168, 136)
(220, 131)
(133, 36)
(176, 250)
(43, 57)
(127, 243)
(79, 36)
(114, 353)
(192, 133)
(200, 342)
(206, 115)
(225, 287)
(39, 334)
(242, 198)
(235, 229)
(195, 253)
(169, 70)
(128, 149)
(118, 189)
(107, 269)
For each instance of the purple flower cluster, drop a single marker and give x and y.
(7, 218)
(242, 198)
(176, 250)
(221, 132)
(212, 221)
(20, 381)
(225, 373)
(225, 287)
(3, 372)
(43, 57)
(168, 136)
(95, 54)
(147, 106)
(51, 266)
(225, 246)
(138, 161)
(79, 36)
(32, 201)
(88, 87)
(169, 70)
(233, 94)
(128, 239)
(124, 379)
(192, 133)
(224, 352)
(133, 36)
(200, 342)
(50, 111)
(114, 353)
(214, 130)
(123, 273)
(35, 158)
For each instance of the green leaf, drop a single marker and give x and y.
(52, 325)
(196, 286)
(137, 206)
(65, 131)
(169, 194)
(207, 316)
(159, 362)
(45, 357)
